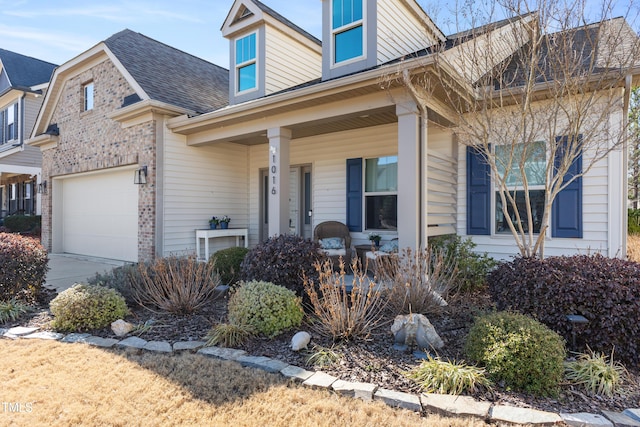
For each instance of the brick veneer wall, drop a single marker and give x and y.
(90, 141)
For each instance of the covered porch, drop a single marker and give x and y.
(302, 154)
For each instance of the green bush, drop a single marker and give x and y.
(606, 291)
(472, 267)
(120, 279)
(269, 308)
(284, 260)
(23, 223)
(227, 263)
(633, 223)
(229, 335)
(86, 307)
(12, 310)
(23, 267)
(518, 350)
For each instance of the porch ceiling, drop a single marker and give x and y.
(361, 119)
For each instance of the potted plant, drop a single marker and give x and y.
(375, 238)
(224, 222)
(213, 223)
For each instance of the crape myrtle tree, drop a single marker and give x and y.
(534, 86)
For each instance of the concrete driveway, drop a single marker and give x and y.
(65, 270)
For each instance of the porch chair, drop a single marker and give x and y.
(335, 242)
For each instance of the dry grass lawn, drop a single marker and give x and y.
(633, 247)
(55, 384)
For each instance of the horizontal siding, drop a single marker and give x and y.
(197, 184)
(399, 31)
(32, 107)
(288, 62)
(30, 157)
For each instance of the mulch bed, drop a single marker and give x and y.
(373, 360)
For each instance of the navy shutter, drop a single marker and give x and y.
(478, 193)
(354, 194)
(566, 212)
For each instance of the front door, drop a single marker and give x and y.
(300, 202)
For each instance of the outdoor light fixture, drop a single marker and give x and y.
(140, 176)
(42, 187)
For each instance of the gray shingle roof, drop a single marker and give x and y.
(24, 71)
(169, 75)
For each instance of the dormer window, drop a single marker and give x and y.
(347, 30)
(246, 68)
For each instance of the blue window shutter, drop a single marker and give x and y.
(354, 194)
(478, 193)
(566, 212)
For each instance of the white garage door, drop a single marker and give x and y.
(100, 215)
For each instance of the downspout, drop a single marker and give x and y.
(625, 158)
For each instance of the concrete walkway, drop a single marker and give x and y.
(65, 270)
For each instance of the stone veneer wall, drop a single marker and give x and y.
(89, 141)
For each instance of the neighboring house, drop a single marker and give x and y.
(102, 126)
(308, 134)
(23, 81)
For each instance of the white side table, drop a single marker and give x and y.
(212, 234)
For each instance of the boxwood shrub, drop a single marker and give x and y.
(23, 223)
(227, 263)
(604, 290)
(518, 350)
(23, 267)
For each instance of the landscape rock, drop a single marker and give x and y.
(188, 345)
(292, 371)
(415, 329)
(358, 390)
(222, 353)
(19, 331)
(100, 342)
(516, 415)
(320, 380)
(45, 335)
(75, 337)
(632, 413)
(300, 341)
(584, 419)
(447, 404)
(158, 346)
(621, 420)
(133, 342)
(121, 328)
(398, 399)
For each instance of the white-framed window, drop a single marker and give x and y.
(27, 190)
(381, 193)
(14, 191)
(12, 127)
(87, 96)
(508, 159)
(347, 30)
(245, 63)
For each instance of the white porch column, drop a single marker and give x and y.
(409, 189)
(279, 142)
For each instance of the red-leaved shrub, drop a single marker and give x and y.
(23, 267)
(604, 290)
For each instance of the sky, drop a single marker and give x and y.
(58, 30)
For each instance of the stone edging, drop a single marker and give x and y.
(444, 404)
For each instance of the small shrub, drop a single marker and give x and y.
(518, 350)
(594, 372)
(342, 311)
(120, 279)
(472, 267)
(180, 285)
(323, 356)
(13, 310)
(604, 290)
(227, 263)
(23, 223)
(86, 307)
(23, 267)
(269, 308)
(420, 281)
(437, 376)
(229, 334)
(284, 260)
